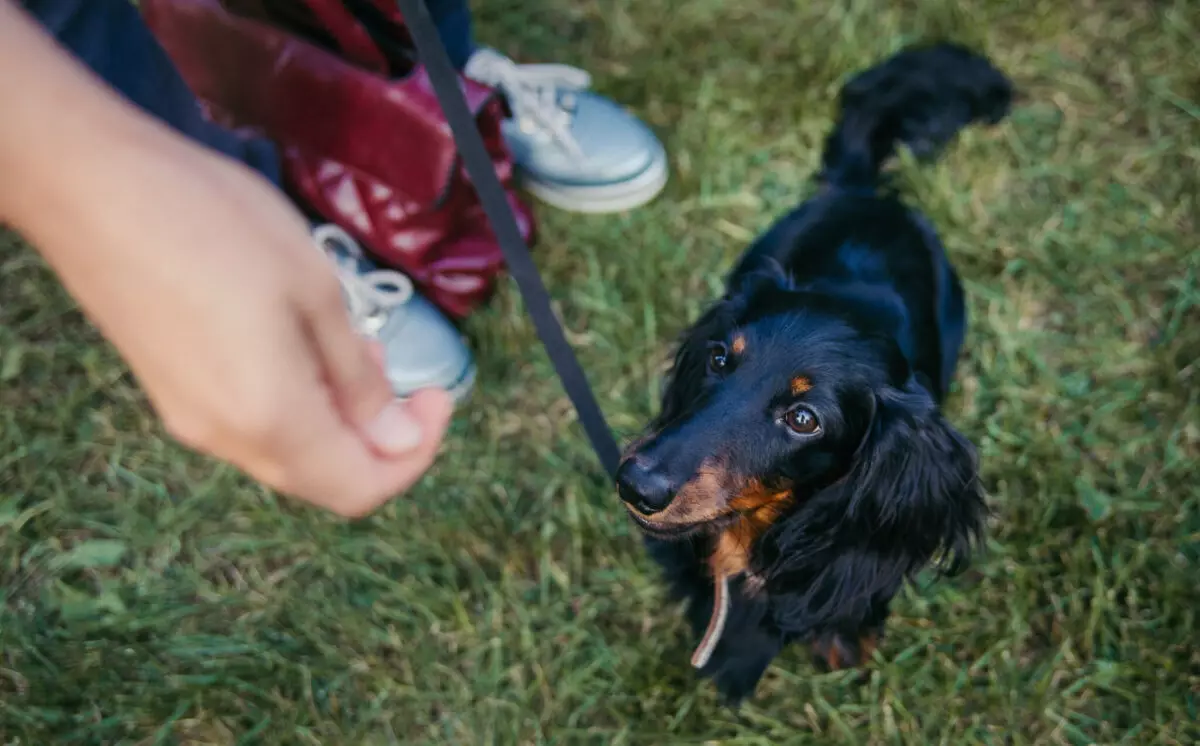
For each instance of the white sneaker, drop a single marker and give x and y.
(422, 348)
(575, 149)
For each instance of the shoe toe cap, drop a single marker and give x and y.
(424, 350)
(615, 146)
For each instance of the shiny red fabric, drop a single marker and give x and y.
(363, 140)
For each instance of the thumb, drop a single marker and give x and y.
(432, 408)
(354, 370)
(413, 429)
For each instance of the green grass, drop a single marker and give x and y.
(154, 597)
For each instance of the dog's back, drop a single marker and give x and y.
(856, 234)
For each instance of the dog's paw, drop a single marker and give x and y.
(736, 679)
(838, 652)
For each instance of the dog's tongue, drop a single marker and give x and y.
(716, 624)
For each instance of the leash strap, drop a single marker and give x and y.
(516, 254)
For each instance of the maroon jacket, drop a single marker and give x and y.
(363, 139)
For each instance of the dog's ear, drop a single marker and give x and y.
(765, 273)
(915, 480)
(911, 496)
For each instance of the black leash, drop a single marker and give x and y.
(495, 205)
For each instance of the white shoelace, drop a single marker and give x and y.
(372, 297)
(534, 92)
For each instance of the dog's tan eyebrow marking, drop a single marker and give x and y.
(801, 384)
(739, 344)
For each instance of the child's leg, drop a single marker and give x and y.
(453, 19)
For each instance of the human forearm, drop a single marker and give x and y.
(64, 134)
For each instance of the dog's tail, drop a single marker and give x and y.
(921, 97)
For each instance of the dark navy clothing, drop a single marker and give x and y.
(110, 37)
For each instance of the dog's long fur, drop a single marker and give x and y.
(848, 308)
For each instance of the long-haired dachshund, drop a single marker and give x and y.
(801, 470)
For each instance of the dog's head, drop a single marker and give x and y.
(796, 414)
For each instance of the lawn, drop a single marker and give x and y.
(154, 597)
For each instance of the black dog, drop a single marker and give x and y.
(801, 470)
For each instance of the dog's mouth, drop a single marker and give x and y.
(711, 503)
(672, 531)
(733, 510)
(735, 525)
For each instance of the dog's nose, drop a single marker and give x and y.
(642, 484)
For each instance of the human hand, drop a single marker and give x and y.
(207, 282)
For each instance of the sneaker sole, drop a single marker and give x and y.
(596, 200)
(462, 388)
(459, 390)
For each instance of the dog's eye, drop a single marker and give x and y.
(718, 357)
(802, 421)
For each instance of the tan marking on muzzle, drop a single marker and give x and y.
(757, 508)
(700, 500)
